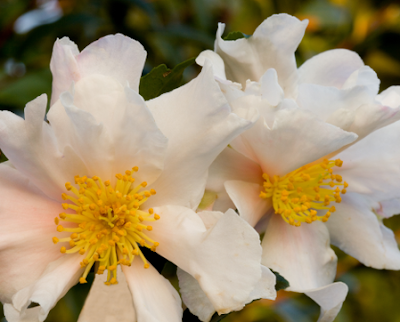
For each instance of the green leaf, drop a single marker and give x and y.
(3, 158)
(233, 35)
(161, 79)
(281, 282)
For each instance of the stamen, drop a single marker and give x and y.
(303, 195)
(109, 223)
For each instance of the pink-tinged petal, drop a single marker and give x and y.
(216, 62)
(32, 148)
(230, 165)
(27, 228)
(330, 68)
(52, 285)
(388, 208)
(372, 165)
(271, 46)
(115, 56)
(154, 298)
(355, 229)
(224, 259)
(301, 254)
(246, 197)
(199, 304)
(330, 298)
(199, 124)
(390, 97)
(296, 138)
(105, 122)
(106, 303)
(63, 66)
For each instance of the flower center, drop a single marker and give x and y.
(106, 223)
(299, 195)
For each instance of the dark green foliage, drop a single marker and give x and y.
(233, 35)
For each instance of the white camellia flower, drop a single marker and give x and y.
(325, 147)
(110, 173)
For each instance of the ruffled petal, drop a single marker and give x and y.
(272, 46)
(27, 228)
(116, 56)
(308, 261)
(230, 165)
(52, 285)
(216, 62)
(355, 229)
(199, 124)
(388, 208)
(111, 129)
(224, 259)
(154, 298)
(199, 304)
(390, 97)
(106, 303)
(246, 197)
(330, 298)
(31, 146)
(366, 77)
(330, 68)
(372, 165)
(296, 138)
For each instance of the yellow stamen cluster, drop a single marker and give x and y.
(106, 223)
(299, 195)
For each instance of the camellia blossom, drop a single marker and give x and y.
(110, 174)
(320, 166)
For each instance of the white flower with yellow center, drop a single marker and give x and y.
(320, 164)
(110, 175)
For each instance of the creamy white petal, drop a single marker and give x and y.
(388, 208)
(372, 165)
(108, 303)
(27, 228)
(154, 298)
(355, 229)
(224, 259)
(330, 68)
(216, 61)
(199, 124)
(111, 129)
(364, 76)
(52, 285)
(308, 261)
(246, 197)
(31, 146)
(390, 97)
(230, 165)
(29, 315)
(270, 88)
(296, 138)
(271, 46)
(115, 56)
(330, 298)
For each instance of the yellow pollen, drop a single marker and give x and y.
(299, 195)
(106, 222)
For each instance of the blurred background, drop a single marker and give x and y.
(175, 30)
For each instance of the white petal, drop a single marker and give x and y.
(390, 97)
(230, 165)
(63, 66)
(116, 56)
(216, 61)
(372, 165)
(330, 298)
(388, 208)
(330, 68)
(365, 76)
(199, 124)
(224, 259)
(272, 46)
(154, 298)
(108, 303)
(270, 88)
(296, 138)
(246, 197)
(355, 229)
(29, 315)
(27, 228)
(52, 285)
(199, 304)
(31, 146)
(300, 254)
